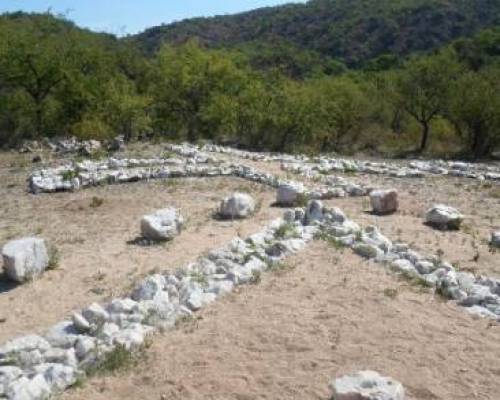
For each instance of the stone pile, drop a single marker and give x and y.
(399, 169)
(254, 156)
(75, 176)
(191, 152)
(35, 367)
(414, 169)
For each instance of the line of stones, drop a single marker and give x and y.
(78, 176)
(325, 165)
(34, 367)
(479, 294)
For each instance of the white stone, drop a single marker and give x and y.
(24, 259)
(371, 235)
(149, 288)
(81, 324)
(63, 334)
(443, 217)
(288, 193)
(24, 388)
(58, 376)
(404, 266)
(367, 250)
(384, 201)
(238, 205)
(95, 314)
(85, 345)
(367, 385)
(61, 356)
(314, 212)
(24, 344)
(162, 225)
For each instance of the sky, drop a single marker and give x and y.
(131, 16)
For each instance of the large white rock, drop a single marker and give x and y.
(366, 385)
(162, 225)
(289, 193)
(384, 201)
(443, 217)
(25, 258)
(238, 205)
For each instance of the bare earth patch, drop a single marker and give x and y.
(326, 314)
(98, 257)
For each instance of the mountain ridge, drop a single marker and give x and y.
(352, 32)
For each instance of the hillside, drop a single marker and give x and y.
(351, 31)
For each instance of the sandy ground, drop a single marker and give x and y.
(97, 258)
(327, 316)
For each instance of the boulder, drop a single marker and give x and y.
(238, 205)
(384, 201)
(162, 225)
(24, 259)
(443, 217)
(366, 385)
(290, 193)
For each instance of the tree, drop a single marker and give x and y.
(475, 109)
(342, 107)
(34, 59)
(422, 89)
(188, 80)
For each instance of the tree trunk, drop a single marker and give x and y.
(480, 144)
(284, 140)
(39, 121)
(425, 136)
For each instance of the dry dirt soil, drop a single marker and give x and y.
(326, 314)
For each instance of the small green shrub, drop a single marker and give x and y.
(96, 202)
(68, 175)
(54, 257)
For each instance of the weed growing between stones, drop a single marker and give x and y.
(68, 175)
(329, 240)
(286, 230)
(256, 277)
(54, 257)
(199, 278)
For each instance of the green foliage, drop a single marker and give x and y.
(118, 359)
(474, 107)
(272, 79)
(353, 32)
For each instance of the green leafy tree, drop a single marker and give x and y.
(343, 107)
(188, 81)
(475, 109)
(34, 60)
(422, 89)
